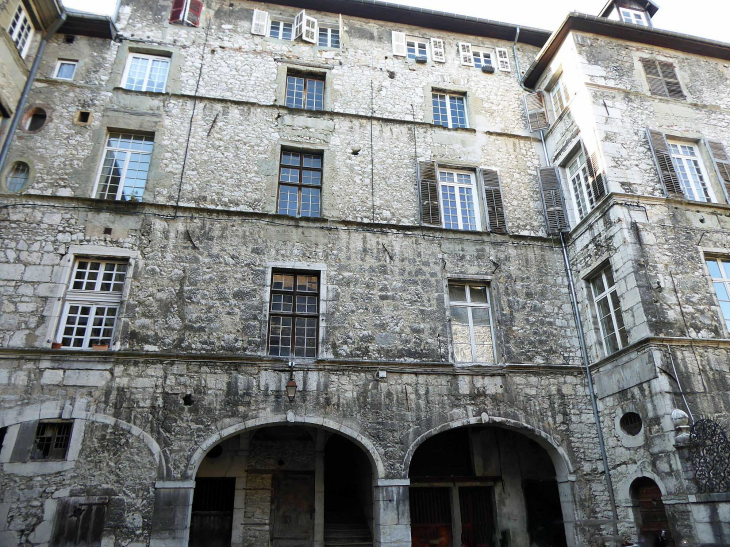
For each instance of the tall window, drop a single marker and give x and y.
(92, 303)
(329, 37)
(294, 314)
(449, 110)
(305, 92)
(608, 310)
(582, 192)
(720, 273)
(458, 200)
(280, 30)
(471, 322)
(691, 173)
(20, 30)
(125, 167)
(559, 96)
(300, 183)
(416, 47)
(51, 441)
(146, 73)
(633, 16)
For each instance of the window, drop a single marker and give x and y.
(481, 58)
(20, 30)
(300, 183)
(294, 314)
(608, 311)
(35, 119)
(186, 12)
(662, 79)
(125, 167)
(92, 303)
(304, 92)
(18, 177)
(458, 200)
(280, 30)
(146, 73)
(631, 424)
(329, 37)
(578, 174)
(559, 96)
(471, 323)
(65, 70)
(503, 59)
(51, 441)
(720, 273)
(449, 110)
(416, 47)
(633, 16)
(690, 171)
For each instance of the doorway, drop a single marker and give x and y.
(652, 520)
(211, 521)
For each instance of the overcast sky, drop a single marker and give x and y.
(707, 18)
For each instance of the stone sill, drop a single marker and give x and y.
(712, 497)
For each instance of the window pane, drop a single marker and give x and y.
(305, 344)
(18, 177)
(312, 160)
(458, 112)
(315, 95)
(307, 283)
(66, 71)
(714, 268)
(461, 335)
(311, 177)
(721, 290)
(448, 202)
(335, 38)
(280, 336)
(468, 218)
(136, 75)
(290, 158)
(725, 307)
(457, 293)
(323, 38)
(282, 302)
(310, 202)
(440, 115)
(286, 31)
(283, 282)
(288, 200)
(482, 335)
(158, 75)
(726, 267)
(103, 325)
(478, 293)
(294, 92)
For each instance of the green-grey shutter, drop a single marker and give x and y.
(664, 164)
(428, 188)
(493, 198)
(722, 164)
(556, 220)
(24, 442)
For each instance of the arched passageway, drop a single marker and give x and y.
(484, 486)
(649, 514)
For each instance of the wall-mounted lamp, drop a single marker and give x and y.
(291, 385)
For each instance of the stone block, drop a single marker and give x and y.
(89, 378)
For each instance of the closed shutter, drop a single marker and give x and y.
(536, 112)
(466, 55)
(194, 11)
(177, 11)
(664, 164)
(722, 165)
(552, 199)
(493, 198)
(503, 59)
(260, 23)
(429, 189)
(662, 79)
(671, 80)
(399, 44)
(24, 442)
(79, 522)
(596, 175)
(437, 50)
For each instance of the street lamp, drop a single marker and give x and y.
(291, 385)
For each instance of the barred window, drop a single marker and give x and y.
(300, 183)
(294, 314)
(51, 441)
(449, 110)
(304, 92)
(125, 167)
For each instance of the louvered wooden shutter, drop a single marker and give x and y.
(178, 8)
(596, 174)
(466, 54)
(399, 44)
(195, 9)
(552, 199)
(722, 165)
(662, 78)
(493, 198)
(671, 80)
(437, 50)
(260, 22)
(664, 164)
(536, 111)
(429, 189)
(24, 442)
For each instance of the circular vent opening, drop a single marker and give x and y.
(631, 423)
(35, 119)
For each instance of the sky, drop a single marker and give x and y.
(706, 18)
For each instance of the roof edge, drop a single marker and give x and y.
(92, 25)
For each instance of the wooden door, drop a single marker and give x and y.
(430, 517)
(293, 510)
(653, 516)
(477, 516)
(211, 522)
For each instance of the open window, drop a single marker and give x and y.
(186, 12)
(20, 30)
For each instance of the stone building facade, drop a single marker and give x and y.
(320, 273)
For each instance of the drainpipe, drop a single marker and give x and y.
(28, 85)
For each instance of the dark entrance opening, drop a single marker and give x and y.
(293, 510)
(651, 519)
(212, 517)
(544, 516)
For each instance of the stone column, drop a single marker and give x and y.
(319, 488)
(240, 470)
(171, 515)
(392, 513)
(567, 504)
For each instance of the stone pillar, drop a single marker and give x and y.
(240, 470)
(319, 488)
(567, 504)
(392, 513)
(171, 515)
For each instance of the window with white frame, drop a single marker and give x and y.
(608, 311)
(146, 73)
(482, 58)
(559, 96)
(305, 92)
(449, 110)
(578, 174)
(459, 204)
(633, 16)
(691, 171)
(65, 70)
(20, 30)
(471, 322)
(92, 303)
(720, 274)
(329, 37)
(280, 30)
(124, 170)
(416, 47)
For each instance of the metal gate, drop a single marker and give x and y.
(431, 517)
(477, 516)
(211, 523)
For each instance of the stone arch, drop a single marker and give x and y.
(278, 419)
(623, 491)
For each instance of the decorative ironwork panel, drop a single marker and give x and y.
(710, 456)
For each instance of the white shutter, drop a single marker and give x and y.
(399, 44)
(260, 23)
(438, 53)
(298, 26)
(310, 31)
(503, 59)
(465, 54)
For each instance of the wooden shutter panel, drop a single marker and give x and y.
(24, 442)
(536, 112)
(503, 59)
(437, 50)
(671, 80)
(493, 197)
(177, 11)
(552, 199)
(722, 164)
(596, 174)
(195, 9)
(664, 164)
(429, 190)
(399, 44)
(466, 54)
(654, 78)
(79, 522)
(260, 23)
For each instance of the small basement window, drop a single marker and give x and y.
(18, 177)
(631, 423)
(52, 440)
(83, 117)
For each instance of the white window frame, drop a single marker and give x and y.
(280, 23)
(16, 29)
(502, 56)
(418, 41)
(475, 198)
(483, 54)
(120, 190)
(578, 178)
(151, 59)
(448, 109)
(559, 94)
(607, 294)
(62, 62)
(690, 188)
(469, 305)
(724, 280)
(635, 17)
(329, 37)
